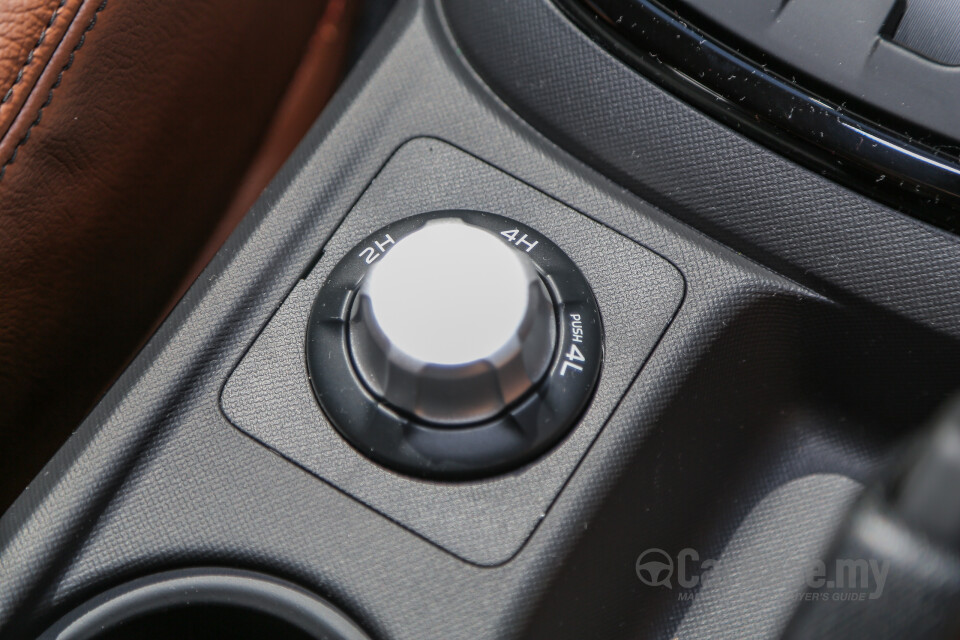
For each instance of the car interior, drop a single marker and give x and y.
(513, 319)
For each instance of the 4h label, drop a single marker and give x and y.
(521, 242)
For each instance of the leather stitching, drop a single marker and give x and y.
(69, 63)
(43, 36)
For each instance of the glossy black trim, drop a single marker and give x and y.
(821, 134)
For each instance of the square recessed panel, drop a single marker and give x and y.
(485, 522)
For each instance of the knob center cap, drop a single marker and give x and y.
(452, 324)
(449, 294)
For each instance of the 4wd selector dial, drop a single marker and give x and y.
(454, 344)
(452, 325)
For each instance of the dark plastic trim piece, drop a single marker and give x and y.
(522, 433)
(812, 129)
(205, 586)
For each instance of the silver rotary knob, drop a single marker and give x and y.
(452, 324)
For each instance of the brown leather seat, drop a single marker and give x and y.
(125, 129)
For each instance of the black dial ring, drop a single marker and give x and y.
(522, 432)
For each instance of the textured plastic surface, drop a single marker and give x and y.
(904, 531)
(751, 93)
(928, 28)
(704, 173)
(750, 426)
(269, 395)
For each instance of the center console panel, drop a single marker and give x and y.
(745, 394)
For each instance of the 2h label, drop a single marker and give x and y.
(370, 254)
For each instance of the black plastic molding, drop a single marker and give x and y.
(815, 130)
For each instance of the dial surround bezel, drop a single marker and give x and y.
(519, 434)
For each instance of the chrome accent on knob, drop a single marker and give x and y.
(452, 325)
